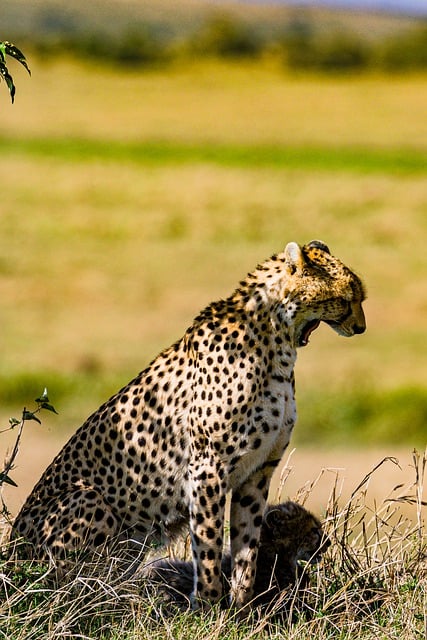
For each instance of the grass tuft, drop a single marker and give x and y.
(371, 584)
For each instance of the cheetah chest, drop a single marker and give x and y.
(263, 432)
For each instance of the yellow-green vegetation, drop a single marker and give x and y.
(130, 200)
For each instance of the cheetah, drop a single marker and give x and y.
(211, 415)
(289, 534)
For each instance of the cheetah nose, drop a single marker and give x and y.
(358, 328)
(326, 543)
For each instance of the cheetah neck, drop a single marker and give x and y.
(266, 286)
(266, 296)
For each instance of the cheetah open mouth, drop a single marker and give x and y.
(306, 332)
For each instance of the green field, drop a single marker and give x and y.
(129, 201)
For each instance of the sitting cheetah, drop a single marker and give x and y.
(289, 533)
(211, 414)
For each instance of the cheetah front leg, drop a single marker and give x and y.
(247, 509)
(207, 513)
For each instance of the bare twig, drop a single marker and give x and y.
(42, 403)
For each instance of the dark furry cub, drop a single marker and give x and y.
(289, 533)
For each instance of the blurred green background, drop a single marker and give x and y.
(161, 150)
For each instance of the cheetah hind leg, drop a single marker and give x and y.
(79, 524)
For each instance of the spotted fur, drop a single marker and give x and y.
(211, 414)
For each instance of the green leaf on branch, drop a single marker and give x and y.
(48, 407)
(7, 48)
(13, 51)
(43, 402)
(43, 398)
(29, 415)
(4, 73)
(14, 422)
(4, 479)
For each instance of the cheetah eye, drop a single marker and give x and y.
(316, 535)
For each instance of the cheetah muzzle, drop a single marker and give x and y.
(210, 415)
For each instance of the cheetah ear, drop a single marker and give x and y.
(273, 518)
(290, 508)
(318, 244)
(294, 257)
(289, 511)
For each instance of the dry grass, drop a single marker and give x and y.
(372, 583)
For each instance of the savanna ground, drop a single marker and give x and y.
(128, 202)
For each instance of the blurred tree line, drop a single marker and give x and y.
(300, 44)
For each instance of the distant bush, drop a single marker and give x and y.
(307, 49)
(136, 47)
(139, 45)
(225, 36)
(406, 51)
(303, 45)
(340, 51)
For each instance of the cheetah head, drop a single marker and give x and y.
(320, 288)
(294, 533)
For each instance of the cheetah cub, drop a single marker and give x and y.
(289, 533)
